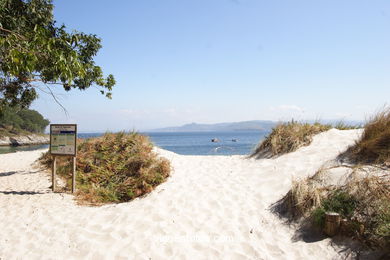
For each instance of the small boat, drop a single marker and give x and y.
(215, 140)
(234, 140)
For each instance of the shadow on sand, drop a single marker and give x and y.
(21, 192)
(4, 174)
(305, 231)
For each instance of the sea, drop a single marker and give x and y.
(186, 143)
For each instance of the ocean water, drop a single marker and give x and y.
(194, 143)
(199, 143)
(229, 143)
(12, 149)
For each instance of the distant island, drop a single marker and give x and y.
(254, 125)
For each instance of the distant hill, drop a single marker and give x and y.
(16, 121)
(255, 125)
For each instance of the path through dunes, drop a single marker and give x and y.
(212, 207)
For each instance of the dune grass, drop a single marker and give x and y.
(288, 137)
(374, 145)
(363, 203)
(304, 196)
(341, 125)
(363, 200)
(114, 168)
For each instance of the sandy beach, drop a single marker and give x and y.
(212, 207)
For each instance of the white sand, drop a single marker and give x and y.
(212, 207)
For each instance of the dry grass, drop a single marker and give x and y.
(374, 145)
(341, 125)
(114, 168)
(304, 196)
(372, 212)
(364, 202)
(288, 137)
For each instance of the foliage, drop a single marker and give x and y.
(341, 125)
(35, 52)
(374, 145)
(363, 202)
(382, 228)
(341, 202)
(288, 137)
(115, 168)
(304, 196)
(318, 216)
(14, 120)
(337, 201)
(373, 210)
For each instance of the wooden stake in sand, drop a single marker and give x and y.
(63, 142)
(332, 223)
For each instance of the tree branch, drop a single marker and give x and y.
(56, 100)
(9, 31)
(40, 80)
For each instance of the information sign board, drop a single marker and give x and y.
(63, 139)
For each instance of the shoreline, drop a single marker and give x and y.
(24, 140)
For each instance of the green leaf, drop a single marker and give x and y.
(41, 47)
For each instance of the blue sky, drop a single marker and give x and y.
(210, 61)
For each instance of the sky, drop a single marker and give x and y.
(211, 61)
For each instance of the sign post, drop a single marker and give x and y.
(53, 173)
(63, 141)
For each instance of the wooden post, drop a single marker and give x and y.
(74, 174)
(53, 173)
(332, 223)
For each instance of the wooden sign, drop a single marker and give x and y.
(63, 139)
(63, 142)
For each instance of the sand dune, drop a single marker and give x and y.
(212, 207)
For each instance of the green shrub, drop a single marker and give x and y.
(318, 216)
(382, 221)
(337, 201)
(114, 168)
(341, 202)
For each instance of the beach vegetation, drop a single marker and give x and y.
(288, 137)
(362, 202)
(374, 145)
(342, 125)
(116, 167)
(362, 199)
(337, 201)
